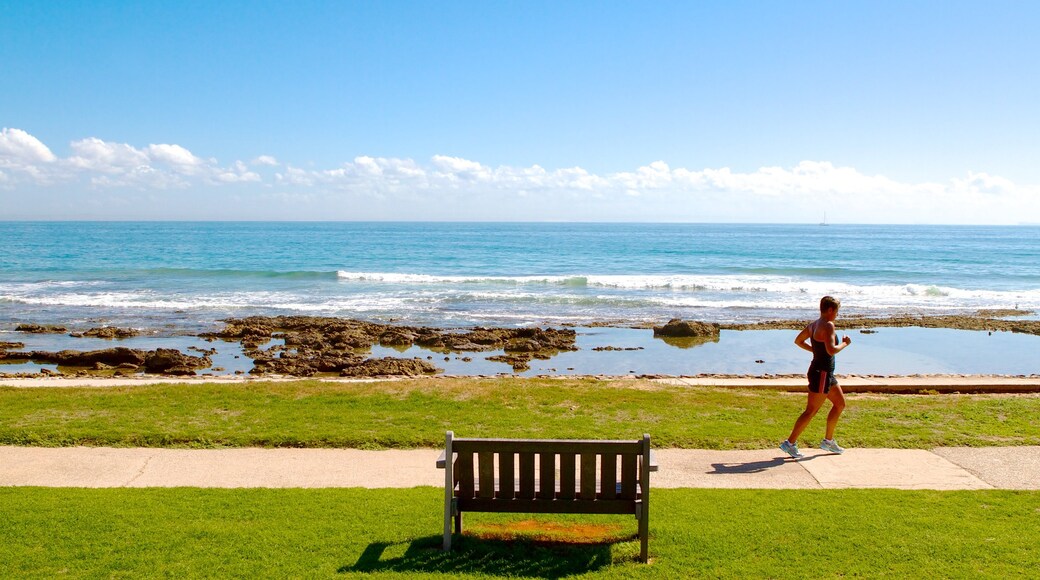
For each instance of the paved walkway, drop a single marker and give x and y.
(947, 468)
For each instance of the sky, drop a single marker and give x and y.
(794, 112)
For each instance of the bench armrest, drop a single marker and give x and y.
(440, 460)
(653, 461)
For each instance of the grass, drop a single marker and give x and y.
(348, 533)
(408, 414)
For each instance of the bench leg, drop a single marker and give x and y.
(449, 512)
(458, 522)
(447, 534)
(644, 533)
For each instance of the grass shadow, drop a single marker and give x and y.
(493, 557)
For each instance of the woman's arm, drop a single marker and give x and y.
(802, 339)
(831, 340)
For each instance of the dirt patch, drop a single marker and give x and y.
(552, 531)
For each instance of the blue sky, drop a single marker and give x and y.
(920, 112)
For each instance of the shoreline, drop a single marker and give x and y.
(893, 384)
(987, 344)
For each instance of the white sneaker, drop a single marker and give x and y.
(791, 449)
(832, 446)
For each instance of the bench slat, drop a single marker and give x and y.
(567, 475)
(546, 475)
(526, 476)
(506, 478)
(588, 475)
(628, 476)
(486, 474)
(608, 476)
(545, 445)
(464, 473)
(549, 507)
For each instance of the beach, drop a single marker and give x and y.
(563, 299)
(327, 347)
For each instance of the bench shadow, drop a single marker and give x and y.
(516, 558)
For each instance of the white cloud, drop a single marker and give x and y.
(459, 188)
(93, 154)
(176, 156)
(266, 160)
(19, 149)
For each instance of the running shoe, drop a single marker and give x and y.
(832, 446)
(791, 449)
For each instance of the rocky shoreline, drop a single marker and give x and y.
(308, 346)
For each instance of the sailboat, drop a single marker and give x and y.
(824, 222)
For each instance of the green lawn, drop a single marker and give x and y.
(405, 414)
(344, 533)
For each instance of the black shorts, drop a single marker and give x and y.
(821, 381)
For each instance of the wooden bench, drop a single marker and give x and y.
(546, 476)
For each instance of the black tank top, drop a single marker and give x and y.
(821, 359)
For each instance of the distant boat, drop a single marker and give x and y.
(824, 222)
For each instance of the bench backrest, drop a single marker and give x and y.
(574, 475)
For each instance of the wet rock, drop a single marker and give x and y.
(523, 345)
(303, 365)
(41, 329)
(431, 340)
(397, 337)
(110, 332)
(309, 339)
(390, 366)
(173, 361)
(203, 351)
(73, 358)
(11, 345)
(520, 362)
(678, 328)
(179, 371)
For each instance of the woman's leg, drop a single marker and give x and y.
(812, 405)
(837, 398)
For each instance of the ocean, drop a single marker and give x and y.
(185, 276)
(175, 279)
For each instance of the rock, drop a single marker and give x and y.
(390, 366)
(171, 360)
(523, 345)
(179, 371)
(397, 337)
(430, 340)
(110, 356)
(519, 362)
(111, 332)
(41, 329)
(310, 339)
(303, 365)
(678, 328)
(11, 345)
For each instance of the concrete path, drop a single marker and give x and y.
(941, 469)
